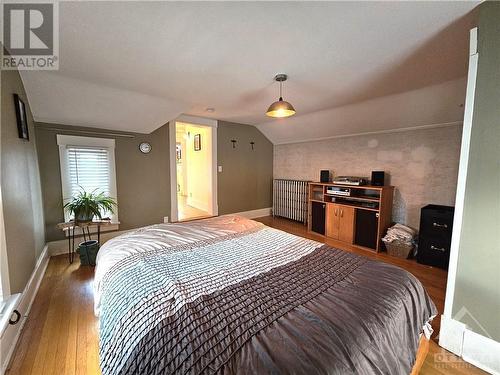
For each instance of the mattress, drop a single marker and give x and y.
(231, 295)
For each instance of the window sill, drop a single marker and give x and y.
(93, 229)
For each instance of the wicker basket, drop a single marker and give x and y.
(398, 248)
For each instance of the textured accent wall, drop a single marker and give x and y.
(245, 182)
(422, 164)
(142, 181)
(21, 194)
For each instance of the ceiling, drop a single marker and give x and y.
(136, 65)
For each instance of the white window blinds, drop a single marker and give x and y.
(88, 169)
(88, 164)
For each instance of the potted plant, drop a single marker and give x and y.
(85, 206)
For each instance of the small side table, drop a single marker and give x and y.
(70, 227)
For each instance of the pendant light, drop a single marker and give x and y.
(280, 108)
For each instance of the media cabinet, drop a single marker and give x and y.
(360, 219)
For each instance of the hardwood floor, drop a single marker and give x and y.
(60, 335)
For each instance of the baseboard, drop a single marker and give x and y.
(451, 335)
(481, 351)
(12, 333)
(253, 214)
(476, 349)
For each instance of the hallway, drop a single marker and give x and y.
(187, 212)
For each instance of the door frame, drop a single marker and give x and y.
(214, 208)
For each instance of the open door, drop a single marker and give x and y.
(193, 168)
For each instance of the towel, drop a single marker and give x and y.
(400, 232)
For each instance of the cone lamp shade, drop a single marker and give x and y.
(280, 108)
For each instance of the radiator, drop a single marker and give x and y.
(290, 199)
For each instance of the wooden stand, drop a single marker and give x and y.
(361, 217)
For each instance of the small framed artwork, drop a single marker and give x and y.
(22, 120)
(197, 142)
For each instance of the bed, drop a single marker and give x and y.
(231, 295)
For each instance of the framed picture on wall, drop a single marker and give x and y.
(197, 142)
(22, 120)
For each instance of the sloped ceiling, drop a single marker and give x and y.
(430, 106)
(136, 65)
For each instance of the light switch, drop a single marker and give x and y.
(219, 168)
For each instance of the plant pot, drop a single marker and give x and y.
(84, 218)
(88, 252)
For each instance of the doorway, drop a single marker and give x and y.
(193, 184)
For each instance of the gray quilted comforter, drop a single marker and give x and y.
(230, 295)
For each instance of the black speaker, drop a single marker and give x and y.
(378, 178)
(318, 217)
(324, 176)
(366, 228)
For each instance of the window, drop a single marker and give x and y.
(89, 164)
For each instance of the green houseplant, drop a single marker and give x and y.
(85, 206)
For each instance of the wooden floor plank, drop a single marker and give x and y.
(61, 338)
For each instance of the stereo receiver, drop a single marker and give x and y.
(336, 190)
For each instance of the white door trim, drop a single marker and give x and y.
(173, 172)
(462, 175)
(214, 208)
(197, 120)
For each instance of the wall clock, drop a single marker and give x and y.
(145, 147)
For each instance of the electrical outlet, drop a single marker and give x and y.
(165, 219)
(219, 168)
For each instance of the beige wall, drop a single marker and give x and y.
(199, 168)
(422, 164)
(245, 182)
(21, 194)
(143, 183)
(477, 287)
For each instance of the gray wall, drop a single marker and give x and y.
(21, 195)
(422, 164)
(245, 182)
(477, 287)
(143, 182)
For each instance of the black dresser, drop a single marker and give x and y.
(436, 224)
